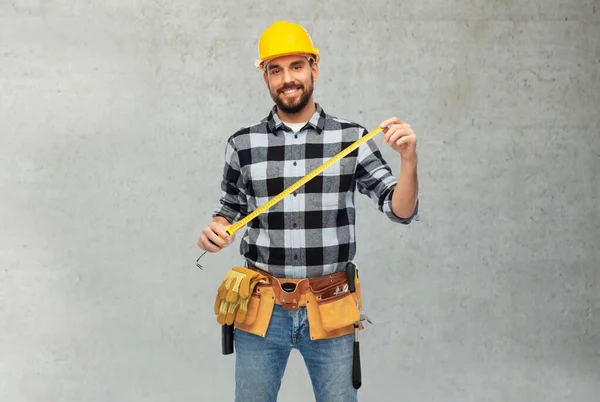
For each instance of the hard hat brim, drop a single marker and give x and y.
(260, 63)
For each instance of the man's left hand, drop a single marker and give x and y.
(401, 137)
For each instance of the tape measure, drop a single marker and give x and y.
(242, 222)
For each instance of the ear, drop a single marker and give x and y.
(315, 71)
(266, 78)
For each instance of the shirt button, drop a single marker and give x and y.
(295, 225)
(295, 256)
(295, 194)
(295, 135)
(295, 163)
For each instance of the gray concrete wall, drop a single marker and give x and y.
(113, 119)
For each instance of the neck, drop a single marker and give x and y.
(300, 117)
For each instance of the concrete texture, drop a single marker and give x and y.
(113, 120)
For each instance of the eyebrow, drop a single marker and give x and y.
(294, 63)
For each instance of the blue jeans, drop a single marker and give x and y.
(260, 362)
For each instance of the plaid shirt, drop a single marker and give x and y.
(312, 231)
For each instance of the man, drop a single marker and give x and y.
(310, 233)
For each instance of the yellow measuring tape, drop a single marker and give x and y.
(241, 223)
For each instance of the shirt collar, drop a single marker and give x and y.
(317, 121)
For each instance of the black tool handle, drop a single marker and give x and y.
(356, 372)
(227, 339)
(351, 276)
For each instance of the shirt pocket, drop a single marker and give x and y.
(264, 180)
(339, 177)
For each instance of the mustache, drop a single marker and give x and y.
(290, 86)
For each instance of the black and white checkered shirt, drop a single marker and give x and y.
(311, 232)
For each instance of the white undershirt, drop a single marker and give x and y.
(295, 126)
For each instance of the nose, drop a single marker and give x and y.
(287, 76)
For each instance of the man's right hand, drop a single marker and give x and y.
(214, 238)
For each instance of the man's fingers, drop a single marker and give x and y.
(206, 244)
(392, 120)
(220, 231)
(211, 240)
(401, 140)
(405, 140)
(397, 131)
(216, 239)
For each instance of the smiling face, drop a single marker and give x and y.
(290, 81)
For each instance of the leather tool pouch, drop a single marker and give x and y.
(260, 309)
(332, 309)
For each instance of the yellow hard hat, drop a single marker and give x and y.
(284, 38)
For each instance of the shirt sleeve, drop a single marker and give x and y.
(233, 204)
(374, 178)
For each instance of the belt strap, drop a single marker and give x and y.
(289, 292)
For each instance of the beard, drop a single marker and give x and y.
(292, 106)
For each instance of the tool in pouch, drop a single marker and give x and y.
(225, 311)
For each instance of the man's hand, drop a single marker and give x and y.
(401, 138)
(214, 238)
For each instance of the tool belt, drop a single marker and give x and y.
(331, 308)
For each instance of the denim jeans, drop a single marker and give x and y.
(260, 362)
